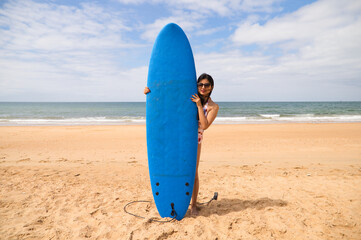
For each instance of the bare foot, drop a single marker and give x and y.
(194, 210)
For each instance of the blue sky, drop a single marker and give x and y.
(260, 50)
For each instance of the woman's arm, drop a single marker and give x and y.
(212, 114)
(204, 121)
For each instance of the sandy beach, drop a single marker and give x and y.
(275, 181)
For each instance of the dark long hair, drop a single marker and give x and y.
(210, 80)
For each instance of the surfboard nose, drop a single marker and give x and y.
(172, 29)
(172, 25)
(172, 56)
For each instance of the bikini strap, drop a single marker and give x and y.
(205, 108)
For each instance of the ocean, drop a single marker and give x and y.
(131, 113)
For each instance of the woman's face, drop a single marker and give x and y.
(204, 87)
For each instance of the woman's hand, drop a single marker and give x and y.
(195, 98)
(146, 90)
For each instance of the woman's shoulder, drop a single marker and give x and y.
(212, 104)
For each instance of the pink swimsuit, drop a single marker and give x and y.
(200, 131)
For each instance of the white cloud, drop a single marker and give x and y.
(54, 52)
(192, 15)
(188, 21)
(220, 7)
(267, 6)
(209, 31)
(313, 52)
(240, 77)
(79, 76)
(39, 26)
(304, 25)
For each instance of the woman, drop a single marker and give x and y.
(207, 112)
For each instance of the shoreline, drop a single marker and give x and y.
(134, 113)
(214, 123)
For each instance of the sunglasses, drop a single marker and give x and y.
(206, 85)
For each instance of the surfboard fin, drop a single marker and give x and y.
(173, 210)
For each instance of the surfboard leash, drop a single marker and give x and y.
(173, 213)
(215, 197)
(153, 219)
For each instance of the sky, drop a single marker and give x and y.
(255, 50)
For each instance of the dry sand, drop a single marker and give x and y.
(275, 181)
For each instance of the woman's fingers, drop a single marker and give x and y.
(195, 98)
(146, 90)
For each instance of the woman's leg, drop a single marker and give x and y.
(194, 210)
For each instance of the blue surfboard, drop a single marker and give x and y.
(171, 121)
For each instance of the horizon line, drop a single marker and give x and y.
(274, 101)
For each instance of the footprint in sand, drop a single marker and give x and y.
(86, 231)
(44, 161)
(39, 221)
(298, 168)
(24, 160)
(245, 167)
(98, 213)
(62, 160)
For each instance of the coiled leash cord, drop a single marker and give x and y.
(173, 213)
